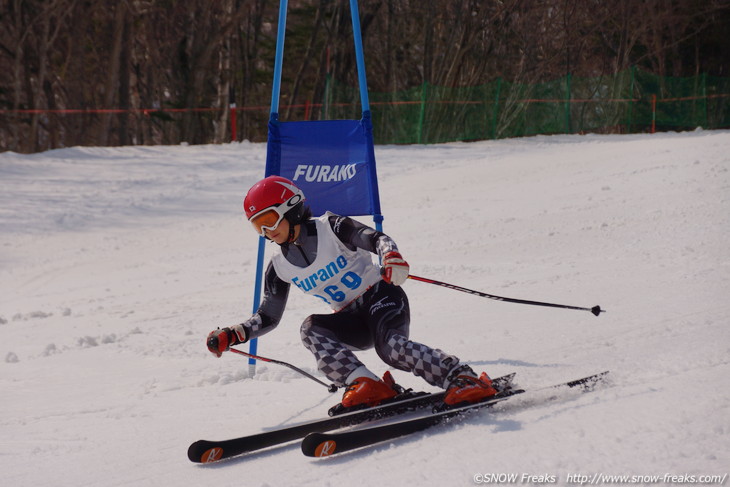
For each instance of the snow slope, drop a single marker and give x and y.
(115, 263)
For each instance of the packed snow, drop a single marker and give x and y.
(115, 263)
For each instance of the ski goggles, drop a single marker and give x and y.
(269, 218)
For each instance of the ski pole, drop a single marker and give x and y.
(330, 387)
(596, 310)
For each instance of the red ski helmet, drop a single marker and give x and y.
(271, 200)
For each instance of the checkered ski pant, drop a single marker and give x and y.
(380, 320)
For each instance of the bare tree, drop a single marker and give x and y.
(149, 59)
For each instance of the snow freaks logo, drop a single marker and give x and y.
(513, 478)
(325, 173)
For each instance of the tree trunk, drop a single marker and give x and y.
(111, 88)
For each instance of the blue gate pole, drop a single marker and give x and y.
(365, 102)
(253, 343)
(275, 90)
(279, 59)
(360, 57)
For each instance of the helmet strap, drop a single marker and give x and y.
(291, 233)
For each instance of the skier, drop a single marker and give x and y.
(330, 258)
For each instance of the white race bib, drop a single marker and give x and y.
(338, 275)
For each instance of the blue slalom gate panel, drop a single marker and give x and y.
(332, 162)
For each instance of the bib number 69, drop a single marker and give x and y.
(349, 279)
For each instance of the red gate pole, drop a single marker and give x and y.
(234, 128)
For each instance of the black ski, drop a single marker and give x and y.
(205, 451)
(324, 444)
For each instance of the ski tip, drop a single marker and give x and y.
(317, 445)
(201, 453)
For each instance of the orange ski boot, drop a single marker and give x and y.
(365, 391)
(466, 388)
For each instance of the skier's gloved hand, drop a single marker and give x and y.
(220, 340)
(395, 268)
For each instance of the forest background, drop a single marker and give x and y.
(132, 72)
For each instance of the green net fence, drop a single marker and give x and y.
(629, 101)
